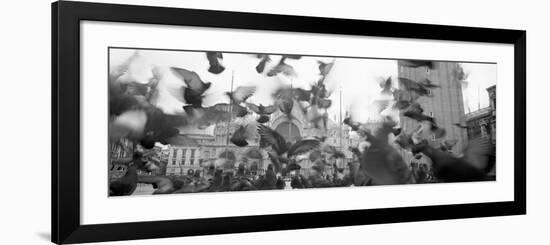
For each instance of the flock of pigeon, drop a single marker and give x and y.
(134, 116)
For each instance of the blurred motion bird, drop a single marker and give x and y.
(129, 124)
(404, 141)
(284, 150)
(161, 127)
(242, 135)
(415, 112)
(262, 111)
(418, 63)
(193, 93)
(413, 86)
(472, 166)
(214, 61)
(205, 117)
(162, 184)
(241, 94)
(448, 145)
(427, 83)
(316, 117)
(383, 162)
(404, 98)
(132, 95)
(461, 125)
(386, 85)
(301, 94)
(264, 59)
(282, 68)
(325, 68)
(201, 185)
(127, 184)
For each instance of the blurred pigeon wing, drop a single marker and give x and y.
(477, 151)
(270, 137)
(175, 120)
(270, 109)
(324, 103)
(303, 146)
(417, 63)
(275, 160)
(191, 78)
(409, 84)
(242, 93)
(302, 94)
(239, 111)
(381, 105)
(261, 65)
(325, 68)
(239, 137)
(429, 84)
(253, 107)
(292, 56)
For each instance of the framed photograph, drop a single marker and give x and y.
(176, 122)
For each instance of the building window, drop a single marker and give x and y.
(192, 160)
(433, 137)
(183, 156)
(174, 156)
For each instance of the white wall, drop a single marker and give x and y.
(25, 62)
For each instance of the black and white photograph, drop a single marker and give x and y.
(193, 121)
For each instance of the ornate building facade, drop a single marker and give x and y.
(121, 153)
(482, 123)
(196, 151)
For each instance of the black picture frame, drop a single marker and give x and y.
(66, 18)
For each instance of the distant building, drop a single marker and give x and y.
(121, 153)
(482, 123)
(444, 103)
(195, 151)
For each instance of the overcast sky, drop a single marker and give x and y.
(357, 79)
